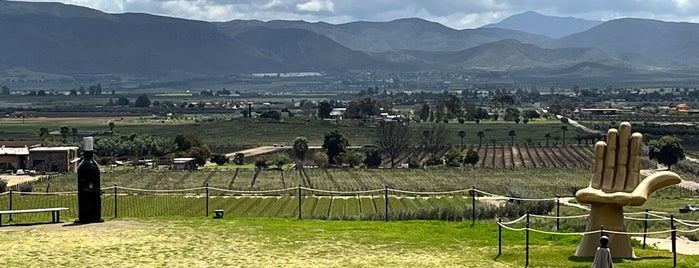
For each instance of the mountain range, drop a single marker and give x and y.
(70, 40)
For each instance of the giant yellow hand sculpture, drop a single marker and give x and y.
(614, 184)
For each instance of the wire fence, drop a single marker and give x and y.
(301, 202)
(524, 224)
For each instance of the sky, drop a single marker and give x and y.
(458, 14)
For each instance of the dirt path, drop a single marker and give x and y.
(14, 179)
(257, 151)
(684, 245)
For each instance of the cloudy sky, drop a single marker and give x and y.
(457, 14)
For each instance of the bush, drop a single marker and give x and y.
(452, 158)
(373, 158)
(433, 161)
(238, 158)
(26, 187)
(413, 161)
(3, 185)
(219, 159)
(261, 163)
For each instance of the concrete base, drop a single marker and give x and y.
(612, 218)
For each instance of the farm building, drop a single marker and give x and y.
(54, 159)
(184, 163)
(14, 154)
(13, 158)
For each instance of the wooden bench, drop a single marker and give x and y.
(55, 213)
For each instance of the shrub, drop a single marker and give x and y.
(452, 158)
(413, 161)
(352, 158)
(3, 185)
(25, 187)
(261, 163)
(433, 161)
(373, 158)
(219, 159)
(238, 158)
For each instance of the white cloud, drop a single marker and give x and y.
(316, 6)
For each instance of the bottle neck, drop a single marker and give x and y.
(88, 154)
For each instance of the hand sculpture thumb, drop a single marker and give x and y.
(639, 195)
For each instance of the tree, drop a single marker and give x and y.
(219, 159)
(424, 112)
(372, 159)
(512, 135)
(471, 157)
(43, 132)
(352, 158)
(667, 150)
(111, 127)
(239, 158)
(74, 132)
(320, 159)
(462, 135)
(564, 129)
(122, 101)
(200, 154)
(300, 147)
(142, 101)
(324, 109)
(434, 137)
(65, 131)
(481, 135)
(280, 159)
(452, 158)
(334, 144)
(392, 139)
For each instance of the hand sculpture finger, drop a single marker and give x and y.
(622, 156)
(634, 167)
(610, 161)
(598, 165)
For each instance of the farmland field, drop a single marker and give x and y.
(547, 181)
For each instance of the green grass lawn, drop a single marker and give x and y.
(255, 242)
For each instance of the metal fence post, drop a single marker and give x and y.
(558, 213)
(299, 197)
(10, 204)
(499, 236)
(115, 201)
(207, 199)
(674, 240)
(473, 205)
(385, 196)
(645, 229)
(526, 248)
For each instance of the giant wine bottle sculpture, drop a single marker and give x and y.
(89, 192)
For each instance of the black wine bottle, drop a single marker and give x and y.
(89, 190)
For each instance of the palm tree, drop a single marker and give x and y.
(512, 135)
(111, 127)
(74, 131)
(64, 132)
(564, 129)
(547, 136)
(462, 134)
(481, 135)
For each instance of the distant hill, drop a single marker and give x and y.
(511, 54)
(65, 39)
(651, 42)
(62, 42)
(553, 27)
(401, 34)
